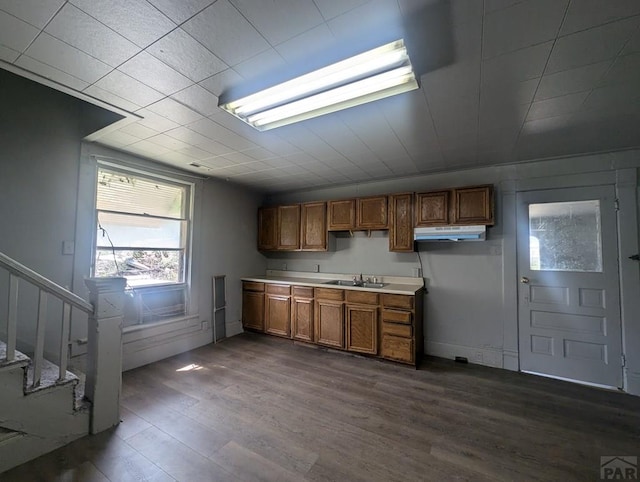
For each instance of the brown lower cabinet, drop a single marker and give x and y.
(277, 311)
(253, 305)
(380, 324)
(329, 317)
(302, 313)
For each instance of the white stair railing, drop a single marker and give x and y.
(46, 287)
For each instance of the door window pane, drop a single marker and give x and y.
(565, 236)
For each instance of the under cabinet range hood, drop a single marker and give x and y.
(450, 233)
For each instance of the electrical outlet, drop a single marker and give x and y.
(316, 268)
(417, 272)
(205, 325)
(68, 247)
(479, 357)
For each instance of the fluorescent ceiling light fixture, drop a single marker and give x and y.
(372, 75)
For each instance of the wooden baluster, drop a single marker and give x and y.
(38, 355)
(12, 317)
(64, 341)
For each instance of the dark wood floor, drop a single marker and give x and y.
(259, 408)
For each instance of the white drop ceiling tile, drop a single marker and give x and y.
(512, 93)
(182, 10)
(35, 12)
(612, 98)
(492, 5)
(168, 142)
(226, 33)
(522, 25)
(137, 130)
(198, 99)
(591, 46)
(196, 139)
(136, 20)
(110, 98)
(186, 55)
(118, 139)
(84, 32)
(128, 88)
(279, 162)
(259, 154)
(8, 55)
(219, 83)
(280, 20)
(239, 158)
(264, 64)
(49, 50)
(14, 33)
(296, 50)
(625, 69)
(573, 80)
(379, 21)
(556, 106)
(277, 145)
(458, 79)
(174, 111)
(547, 124)
(585, 14)
(154, 73)
(523, 64)
(332, 8)
(155, 121)
(194, 152)
(216, 132)
(146, 148)
(633, 45)
(49, 72)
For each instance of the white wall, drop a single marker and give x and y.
(471, 307)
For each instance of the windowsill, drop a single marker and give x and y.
(153, 324)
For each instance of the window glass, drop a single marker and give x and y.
(565, 236)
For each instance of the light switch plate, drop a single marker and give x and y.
(68, 247)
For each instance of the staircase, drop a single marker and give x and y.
(43, 406)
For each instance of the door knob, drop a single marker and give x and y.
(524, 280)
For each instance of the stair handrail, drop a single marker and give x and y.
(44, 284)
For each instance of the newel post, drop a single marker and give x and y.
(104, 351)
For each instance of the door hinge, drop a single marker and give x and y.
(624, 360)
(616, 205)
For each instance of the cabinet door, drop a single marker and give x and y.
(473, 205)
(253, 310)
(401, 222)
(329, 317)
(397, 348)
(362, 328)
(432, 208)
(314, 227)
(372, 213)
(342, 215)
(277, 315)
(302, 319)
(267, 229)
(289, 227)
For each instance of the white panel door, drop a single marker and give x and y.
(569, 300)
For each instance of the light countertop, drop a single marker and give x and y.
(399, 285)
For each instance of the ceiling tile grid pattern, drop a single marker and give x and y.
(501, 81)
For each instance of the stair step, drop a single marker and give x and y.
(49, 377)
(20, 359)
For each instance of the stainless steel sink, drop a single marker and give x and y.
(359, 284)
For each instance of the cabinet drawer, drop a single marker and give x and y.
(397, 348)
(329, 294)
(362, 297)
(397, 301)
(252, 286)
(278, 289)
(302, 292)
(396, 316)
(395, 329)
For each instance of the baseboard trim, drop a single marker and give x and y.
(490, 357)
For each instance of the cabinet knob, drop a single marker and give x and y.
(524, 280)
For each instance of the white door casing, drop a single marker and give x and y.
(569, 297)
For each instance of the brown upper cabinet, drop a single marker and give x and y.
(358, 214)
(401, 222)
(313, 220)
(461, 206)
(473, 205)
(267, 228)
(372, 213)
(295, 227)
(289, 227)
(342, 215)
